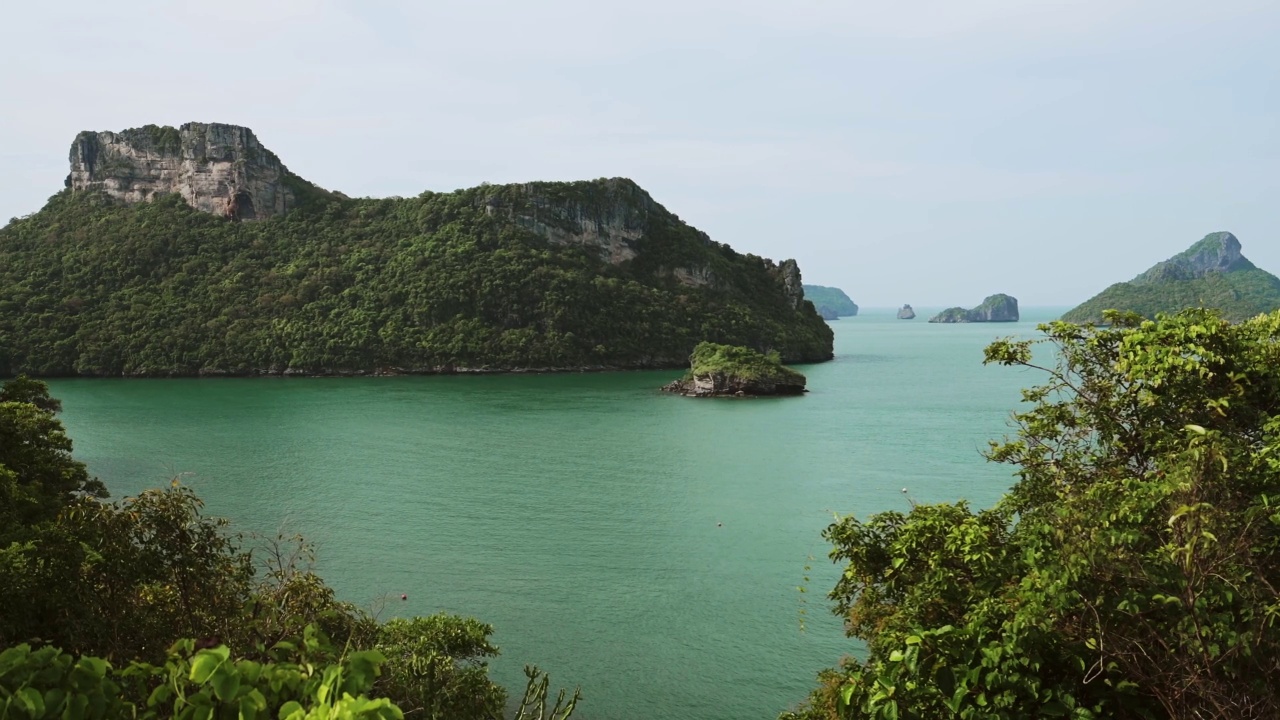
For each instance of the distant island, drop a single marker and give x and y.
(195, 251)
(996, 308)
(728, 371)
(831, 302)
(906, 313)
(1211, 273)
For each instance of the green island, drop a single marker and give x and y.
(1212, 273)
(728, 371)
(831, 302)
(995, 308)
(238, 267)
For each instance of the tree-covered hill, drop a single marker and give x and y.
(831, 302)
(543, 275)
(1211, 274)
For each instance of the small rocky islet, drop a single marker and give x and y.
(733, 371)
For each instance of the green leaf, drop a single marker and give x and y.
(226, 683)
(13, 657)
(290, 709)
(248, 709)
(31, 699)
(206, 662)
(96, 667)
(53, 700)
(1053, 708)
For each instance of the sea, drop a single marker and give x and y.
(662, 553)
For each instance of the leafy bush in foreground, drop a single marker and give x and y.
(1131, 572)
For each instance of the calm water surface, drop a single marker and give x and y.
(644, 546)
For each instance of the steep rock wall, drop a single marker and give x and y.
(216, 168)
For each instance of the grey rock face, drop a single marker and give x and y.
(720, 385)
(789, 273)
(1217, 253)
(906, 313)
(216, 168)
(612, 224)
(611, 220)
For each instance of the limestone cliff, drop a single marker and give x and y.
(906, 313)
(216, 168)
(622, 224)
(996, 308)
(1216, 253)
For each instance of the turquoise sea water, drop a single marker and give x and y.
(643, 546)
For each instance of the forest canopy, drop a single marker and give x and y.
(92, 286)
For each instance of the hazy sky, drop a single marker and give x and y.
(921, 151)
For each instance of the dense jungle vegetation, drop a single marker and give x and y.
(89, 286)
(1132, 571)
(147, 608)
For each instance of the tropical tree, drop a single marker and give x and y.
(1132, 571)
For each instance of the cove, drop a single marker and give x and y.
(647, 547)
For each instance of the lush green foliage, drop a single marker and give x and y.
(297, 682)
(122, 582)
(1237, 295)
(1209, 274)
(831, 302)
(742, 364)
(1131, 571)
(37, 474)
(951, 315)
(441, 281)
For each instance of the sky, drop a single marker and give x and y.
(929, 152)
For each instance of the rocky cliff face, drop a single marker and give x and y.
(216, 168)
(611, 221)
(1217, 253)
(996, 308)
(615, 219)
(726, 385)
(906, 313)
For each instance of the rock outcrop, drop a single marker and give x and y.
(735, 371)
(613, 218)
(720, 385)
(906, 313)
(216, 168)
(996, 308)
(1217, 252)
(1212, 273)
